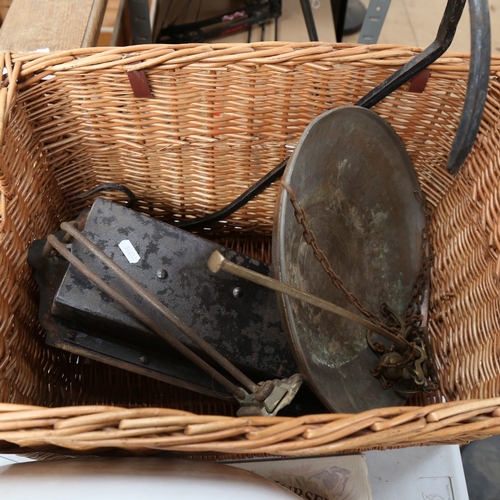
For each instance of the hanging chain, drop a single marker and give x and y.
(413, 313)
(414, 319)
(321, 257)
(395, 367)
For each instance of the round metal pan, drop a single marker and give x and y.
(353, 177)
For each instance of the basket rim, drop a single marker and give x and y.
(24, 69)
(140, 57)
(90, 428)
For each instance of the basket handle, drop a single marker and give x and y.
(477, 87)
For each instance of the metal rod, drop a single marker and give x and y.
(437, 48)
(217, 262)
(339, 10)
(242, 200)
(238, 392)
(309, 20)
(161, 308)
(477, 85)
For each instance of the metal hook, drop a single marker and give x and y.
(111, 187)
(474, 101)
(436, 49)
(477, 87)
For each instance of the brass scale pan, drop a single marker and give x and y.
(352, 176)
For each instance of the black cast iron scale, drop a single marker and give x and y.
(358, 188)
(230, 313)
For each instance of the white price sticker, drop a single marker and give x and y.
(129, 251)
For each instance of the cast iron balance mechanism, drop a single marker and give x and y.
(112, 276)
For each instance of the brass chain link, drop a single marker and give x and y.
(410, 327)
(413, 313)
(321, 257)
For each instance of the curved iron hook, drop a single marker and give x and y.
(477, 85)
(473, 106)
(111, 187)
(436, 49)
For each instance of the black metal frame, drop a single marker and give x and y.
(473, 107)
(339, 9)
(254, 13)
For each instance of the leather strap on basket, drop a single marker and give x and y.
(419, 81)
(139, 83)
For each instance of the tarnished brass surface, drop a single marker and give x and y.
(355, 181)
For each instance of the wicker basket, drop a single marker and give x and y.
(221, 116)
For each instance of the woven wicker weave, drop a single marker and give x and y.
(221, 116)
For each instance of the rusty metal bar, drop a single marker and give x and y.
(161, 308)
(218, 262)
(238, 392)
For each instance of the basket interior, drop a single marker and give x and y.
(213, 127)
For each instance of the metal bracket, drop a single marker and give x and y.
(374, 20)
(277, 394)
(140, 24)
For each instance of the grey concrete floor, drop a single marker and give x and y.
(481, 460)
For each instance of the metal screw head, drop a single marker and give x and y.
(161, 274)
(144, 360)
(238, 292)
(71, 336)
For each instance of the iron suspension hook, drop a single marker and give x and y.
(475, 99)
(436, 49)
(477, 87)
